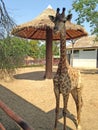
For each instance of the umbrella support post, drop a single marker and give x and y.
(48, 71)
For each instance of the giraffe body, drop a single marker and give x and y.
(67, 79)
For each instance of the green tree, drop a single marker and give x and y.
(37, 49)
(87, 11)
(12, 53)
(56, 48)
(42, 50)
(34, 48)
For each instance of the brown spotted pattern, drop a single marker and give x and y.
(66, 80)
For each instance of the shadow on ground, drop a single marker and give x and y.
(37, 118)
(89, 71)
(37, 75)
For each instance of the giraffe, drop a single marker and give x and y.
(67, 79)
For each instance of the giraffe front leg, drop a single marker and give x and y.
(65, 101)
(57, 96)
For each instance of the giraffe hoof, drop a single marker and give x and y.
(79, 127)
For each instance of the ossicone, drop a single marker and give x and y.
(63, 10)
(58, 10)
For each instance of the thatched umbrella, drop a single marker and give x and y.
(41, 29)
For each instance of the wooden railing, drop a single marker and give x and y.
(23, 124)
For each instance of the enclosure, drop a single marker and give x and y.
(32, 97)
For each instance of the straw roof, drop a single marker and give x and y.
(87, 42)
(36, 29)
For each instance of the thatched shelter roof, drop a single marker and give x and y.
(87, 42)
(41, 28)
(36, 29)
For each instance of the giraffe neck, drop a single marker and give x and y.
(63, 64)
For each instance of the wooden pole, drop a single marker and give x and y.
(72, 55)
(48, 73)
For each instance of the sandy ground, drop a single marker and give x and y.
(32, 97)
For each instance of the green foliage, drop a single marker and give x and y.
(34, 49)
(37, 49)
(56, 48)
(87, 11)
(14, 50)
(42, 51)
(12, 53)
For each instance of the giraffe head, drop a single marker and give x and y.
(59, 20)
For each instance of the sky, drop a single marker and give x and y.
(25, 10)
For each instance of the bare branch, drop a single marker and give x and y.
(6, 23)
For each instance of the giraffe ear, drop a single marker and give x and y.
(69, 17)
(52, 18)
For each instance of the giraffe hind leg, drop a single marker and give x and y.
(57, 97)
(76, 94)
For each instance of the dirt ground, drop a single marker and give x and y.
(32, 97)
